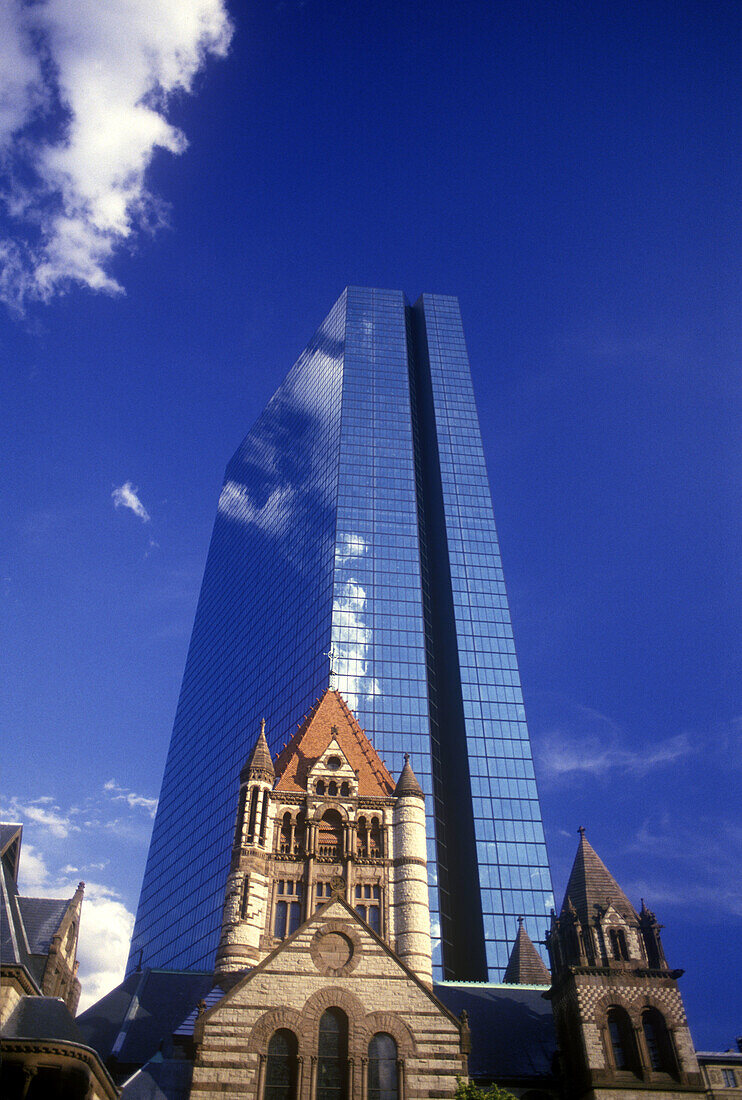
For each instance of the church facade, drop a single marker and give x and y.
(325, 954)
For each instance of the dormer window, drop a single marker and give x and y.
(333, 763)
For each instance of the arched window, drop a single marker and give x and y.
(333, 788)
(332, 1063)
(320, 786)
(263, 819)
(285, 841)
(621, 1036)
(362, 836)
(245, 897)
(344, 790)
(382, 1068)
(619, 948)
(374, 847)
(330, 838)
(659, 1044)
(253, 815)
(280, 1074)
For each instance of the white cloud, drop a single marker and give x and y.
(105, 924)
(126, 496)
(561, 755)
(84, 94)
(43, 812)
(133, 801)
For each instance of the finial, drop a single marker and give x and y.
(201, 1007)
(262, 726)
(581, 830)
(332, 655)
(406, 758)
(520, 922)
(141, 957)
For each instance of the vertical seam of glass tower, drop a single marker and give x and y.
(462, 927)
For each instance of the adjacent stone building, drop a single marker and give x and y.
(44, 1056)
(620, 1022)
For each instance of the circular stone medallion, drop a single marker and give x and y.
(335, 950)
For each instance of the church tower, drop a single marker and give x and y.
(247, 886)
(619, 1015)
(325, 821)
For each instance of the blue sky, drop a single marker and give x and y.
(571, 172)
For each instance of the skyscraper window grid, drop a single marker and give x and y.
(318, 530)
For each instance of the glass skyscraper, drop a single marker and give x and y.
(357, 514)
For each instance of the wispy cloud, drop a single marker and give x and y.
(105, 926)
(561, 754)
(85, 89)
(43, 812)
(693, 863)
(127, 496)
(134, 801)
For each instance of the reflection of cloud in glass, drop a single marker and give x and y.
(275, 479)
(274, 517)
(351, 634)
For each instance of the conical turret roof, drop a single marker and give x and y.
(260, 757)
(407, 782)
(525, 965)
(591, 885)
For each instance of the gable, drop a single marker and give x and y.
(331, 719)
(333, 949)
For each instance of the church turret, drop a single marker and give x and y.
(618, 1011)
(412, 909)
(247, 886)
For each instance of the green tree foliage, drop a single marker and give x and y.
(467, 1090)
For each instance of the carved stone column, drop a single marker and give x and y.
(364, 1078)
(400, 1079)
(313, 1078)
(261, 1077)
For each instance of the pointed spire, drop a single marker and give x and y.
(525, 965)
(260, 759)
(407, 783)
(591, 885)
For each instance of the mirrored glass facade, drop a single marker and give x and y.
(357, 514)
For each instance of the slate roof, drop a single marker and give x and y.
(41, 919)
(42, 1018)
(591, 885)
(512, 1029)
(525, 965)
(27, 925)
(160, 1079)
(132, 1020)
(260, 757)
(407, 782)
(331, 717)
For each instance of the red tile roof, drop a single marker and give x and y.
(329, 718)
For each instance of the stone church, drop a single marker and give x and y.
(322, 988)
